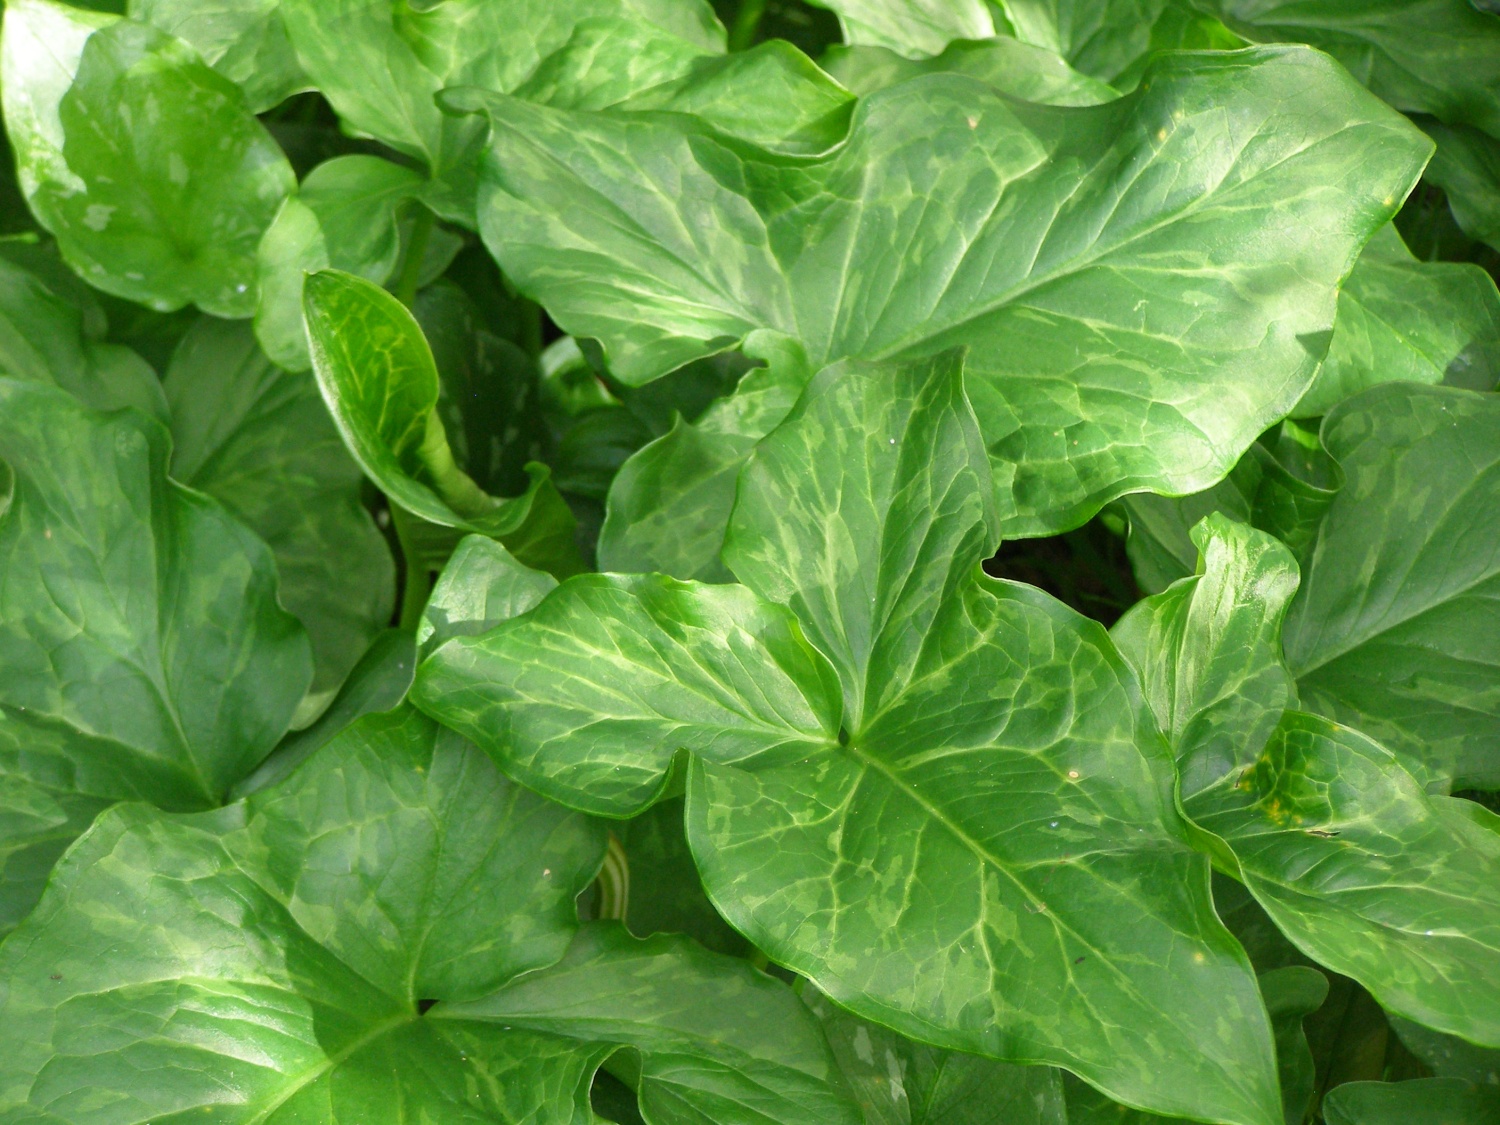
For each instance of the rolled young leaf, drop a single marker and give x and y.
(161, 208)
(381, 384)
(146, 656)
(343, 216)
(667, 240)
(1208, 651)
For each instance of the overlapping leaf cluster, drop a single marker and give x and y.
(686, 382)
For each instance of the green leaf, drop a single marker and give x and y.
(665, 894)
(146, 657)
(481, 586)
(1467, 167)
(489, 402)
(258, 440)
(667, 241)
(377, 683)
(381, 384)
(590, 696)
(1111, 39)
(771, 95)
(46, 336)
(1447, 1056)
(1290, 994)
(1396, 629)
(380, 63)
(1208, 652)
(272, 957)
(1423, 56)
(716, 1040)
(606, 60)
(1402, 320)
(669, 504)
(161, 208)
(344, 216)
(245, 41)
(1339, 843)
(913, 28)
(1283, 486)
(901, 1082)
(949, 864)
(1327, 826)
(1423, 1101)
(1010, 66)
(865, 513)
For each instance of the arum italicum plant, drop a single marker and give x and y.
(511, 519)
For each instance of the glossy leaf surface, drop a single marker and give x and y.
(667, 241)
(259, 440)
(912, 27)
(146, 656)
(1401, 320)
(1010, 66)
(1395, 631)
(245, 41)
(161, 208)
(381, 384)
(1353, 860)
(1425, 56)
(380, 62)
(482, 586)
(669, 504)
(946, 864)
(717, 1041)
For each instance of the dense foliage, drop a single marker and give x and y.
(911, 562)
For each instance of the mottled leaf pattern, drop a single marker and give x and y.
(952, 216)
(1396, 629)
(162, 208)
(146, 657)
(258, 440)
(954, 863)
(1401, 320)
